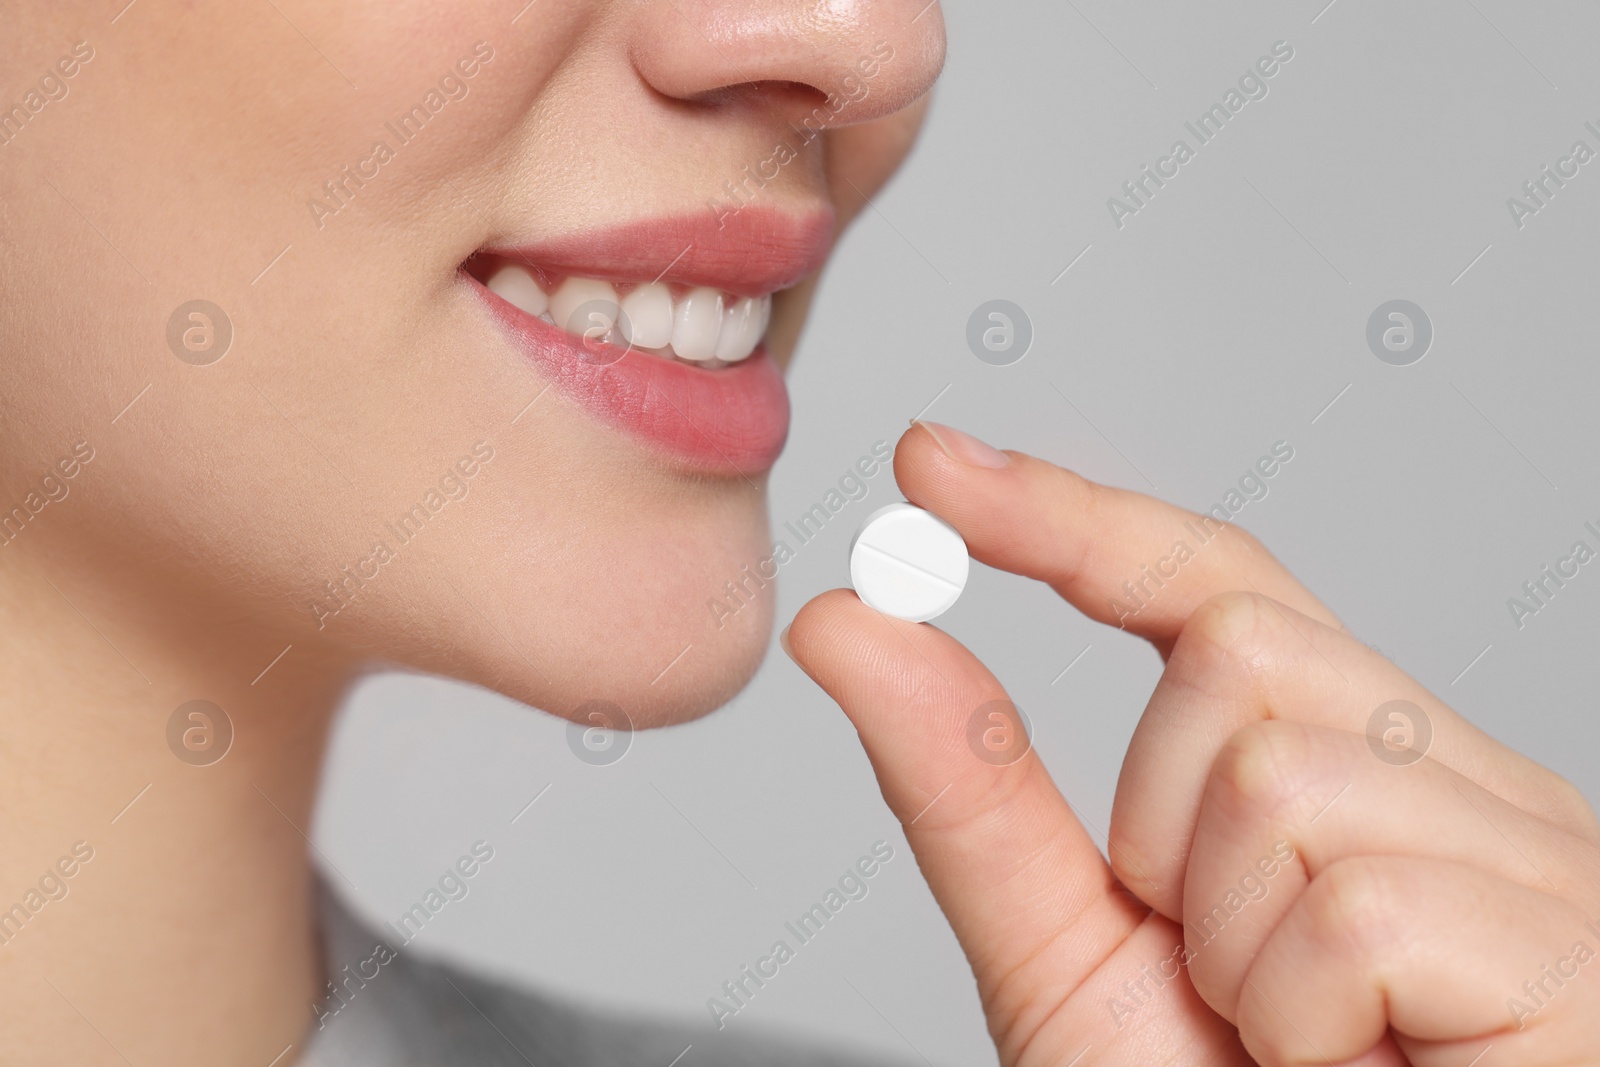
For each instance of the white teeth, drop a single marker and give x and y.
(702, 325)
(766, 318)
(741, 329)
(585, 307)
(647, 316)
(696, 324)
(515, 285)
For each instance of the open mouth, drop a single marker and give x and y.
(657, 327)
(698, 325)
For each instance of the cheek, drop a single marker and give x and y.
(574, 569)
(866, 156)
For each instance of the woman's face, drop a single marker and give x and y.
(389, 460)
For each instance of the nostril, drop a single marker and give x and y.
(769, 94)
(854, 60)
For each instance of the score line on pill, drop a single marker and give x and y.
(908, 563)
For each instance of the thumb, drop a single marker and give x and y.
(1030, 898)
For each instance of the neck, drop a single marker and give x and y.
(153, 901)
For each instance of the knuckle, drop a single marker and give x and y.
(1572, 808)
(1233, 625)
(1353, 906)
(1241, 544)
(1132, 865)
(1074, 502)
(1264, 770)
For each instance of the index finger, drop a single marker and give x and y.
(1029, 896)
(1118, 556)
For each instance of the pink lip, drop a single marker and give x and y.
(758, 250)
(731, 421)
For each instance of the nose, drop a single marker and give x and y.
(828, 62)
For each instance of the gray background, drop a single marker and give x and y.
(1224, 317)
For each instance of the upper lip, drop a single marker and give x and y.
(755, 251)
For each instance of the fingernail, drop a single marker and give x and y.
(963, 447)
(783, 643)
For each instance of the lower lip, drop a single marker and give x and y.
(729, 422)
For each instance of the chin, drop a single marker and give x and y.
(710, 675)
(658, 654)
(638, 591)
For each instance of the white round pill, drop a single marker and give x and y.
(908, 563)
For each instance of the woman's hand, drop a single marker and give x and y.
(1286, 882)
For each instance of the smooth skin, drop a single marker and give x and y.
(1415, 901)
(178, 163)
(220, 498)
